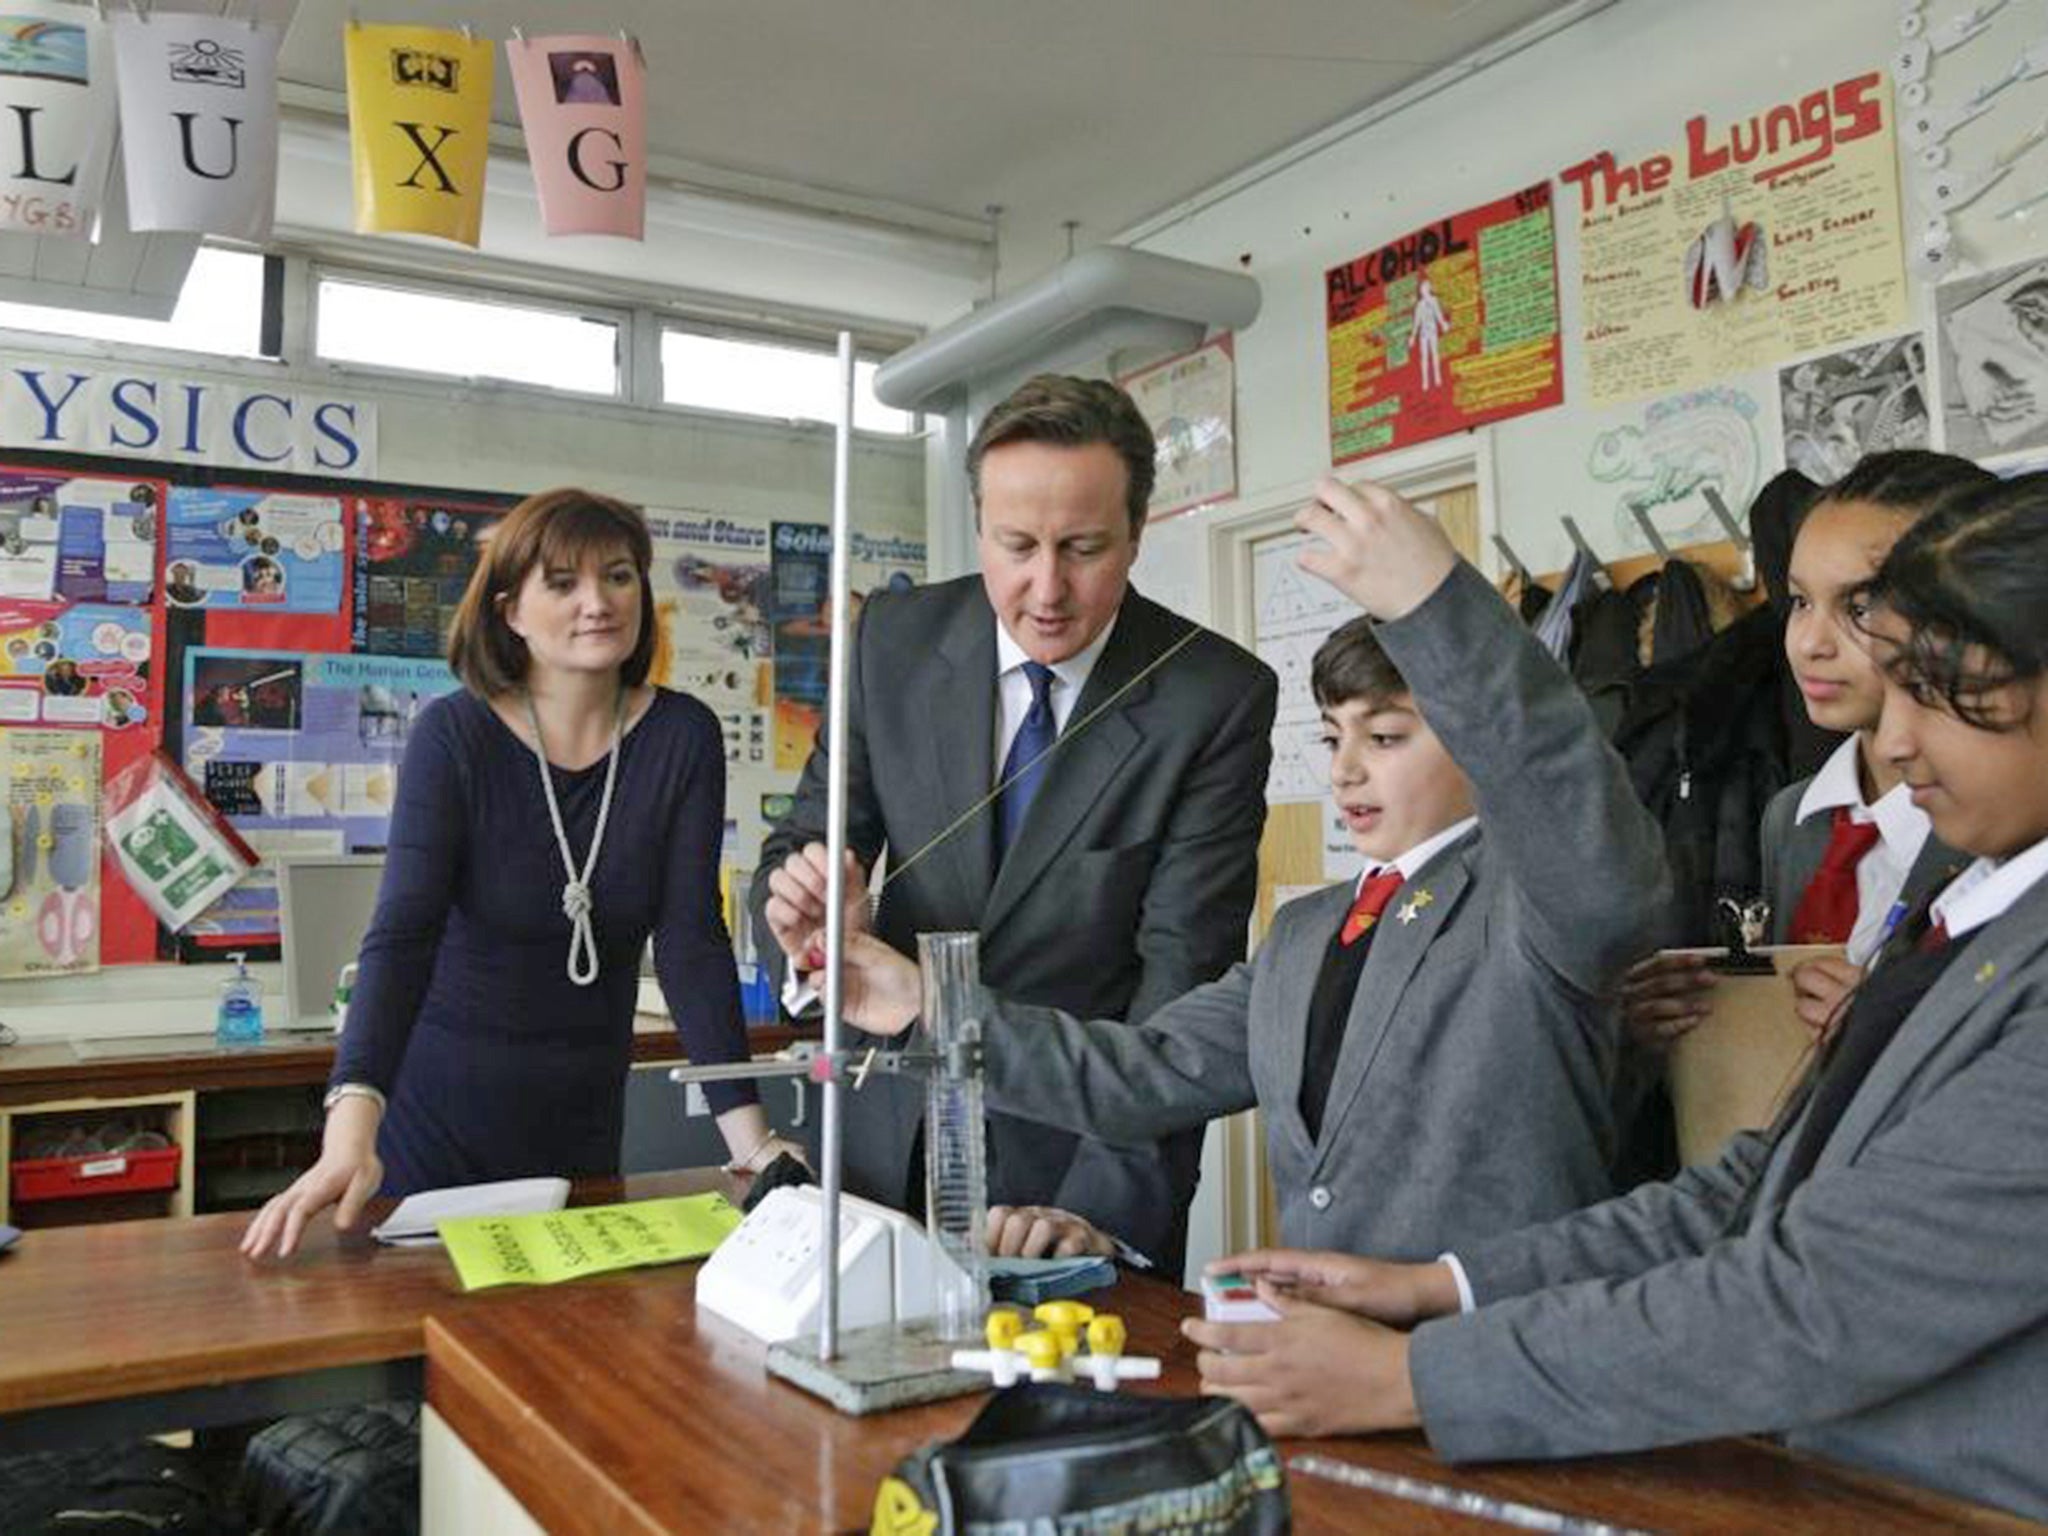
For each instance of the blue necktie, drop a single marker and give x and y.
(1034, 738)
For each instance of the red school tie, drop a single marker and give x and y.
(1372, 900)
(1827, 912)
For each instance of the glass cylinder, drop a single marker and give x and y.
(955, 1147)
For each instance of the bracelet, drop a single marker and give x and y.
(745, 1164)
(342, 1091)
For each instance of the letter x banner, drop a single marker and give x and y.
(56, 118)
(419, 106)
(199, 121)
(583, 102)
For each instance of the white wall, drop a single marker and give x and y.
(1624, 79)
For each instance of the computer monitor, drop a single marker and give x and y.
(324, 905)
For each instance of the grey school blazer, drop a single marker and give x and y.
(1892, 1312)
(1792, 851)
(1470, 1095)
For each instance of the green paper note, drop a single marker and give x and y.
(549, 1247)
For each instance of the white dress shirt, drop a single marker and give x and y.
(1902, 831)
(1013, 688)
(1410, 863)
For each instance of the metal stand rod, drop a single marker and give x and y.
(835, 834)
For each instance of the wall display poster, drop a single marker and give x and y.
(1293, 613)
(711, 599)
(413, 559)
(1749, 243)
(50, 882)
(1863, 400)
(300, 753)
(1994, 359)
(1190, 401)
(85, 665)
(800, 613)
(1447, 328)
(78, 538)
(262, 551)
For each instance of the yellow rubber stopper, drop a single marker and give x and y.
(1041, 1350)
(1106, 1334)
(1004, 1324)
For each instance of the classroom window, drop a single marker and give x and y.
(466, 338)
(759, 378)
(220, 310)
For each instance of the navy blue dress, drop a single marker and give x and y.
(495, 1064)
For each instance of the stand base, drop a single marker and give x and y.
(890, 1366)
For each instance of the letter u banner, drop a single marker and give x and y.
(56, 117)
(583, 101)
(419, 107)
(199, 121)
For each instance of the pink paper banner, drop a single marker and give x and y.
(583, 101)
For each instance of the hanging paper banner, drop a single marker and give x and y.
(1447, 328)
(199, 122)
(583, 102)
(57, 94)
(419, 119)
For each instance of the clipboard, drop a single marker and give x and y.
(1732, 1071)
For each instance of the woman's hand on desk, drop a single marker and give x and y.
(1398, 1294)
(348, 1174)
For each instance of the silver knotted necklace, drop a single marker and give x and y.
(576, 900)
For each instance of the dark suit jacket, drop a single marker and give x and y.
(1131, 881)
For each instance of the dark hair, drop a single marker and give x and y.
(1072, 413)
(1913, 482)
(1972, 576)
(1350, 664)
(557, 529)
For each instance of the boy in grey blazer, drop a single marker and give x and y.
(1442, 1077)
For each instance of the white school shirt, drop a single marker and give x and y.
(1902, 831)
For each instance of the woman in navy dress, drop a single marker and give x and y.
(550, 816)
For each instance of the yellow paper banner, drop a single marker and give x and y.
(419, 105)
(553, 1246)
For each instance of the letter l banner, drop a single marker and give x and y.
(56, 118)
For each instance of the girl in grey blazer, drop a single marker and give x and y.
(1865, 1278)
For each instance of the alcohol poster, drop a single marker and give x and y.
(711, 599)
(85, 665)
(1447, 328)
(301, 754)
(800, 613)
(413, 561)
(1750, 243)
(264, 551)
(82, 538)
(1190, 402)
(50, 871)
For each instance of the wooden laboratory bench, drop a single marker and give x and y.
(144, 1326)
(52, 1070)
(596, 1412)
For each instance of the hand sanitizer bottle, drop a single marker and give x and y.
(239, 1021)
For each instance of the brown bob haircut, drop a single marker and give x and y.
(551, 530)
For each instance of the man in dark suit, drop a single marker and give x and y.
(1122, 753)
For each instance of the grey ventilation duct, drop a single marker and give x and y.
(1094, 291)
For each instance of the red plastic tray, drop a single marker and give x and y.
(109, 1173)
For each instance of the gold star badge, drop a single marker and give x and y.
(1411, 909)
(1985, 972)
